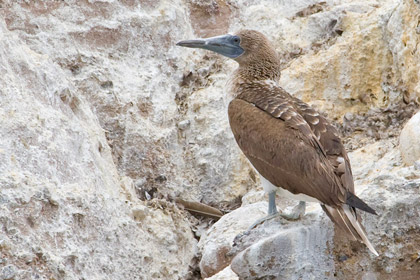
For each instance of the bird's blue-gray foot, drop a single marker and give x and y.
(297, 212)
(271, 213)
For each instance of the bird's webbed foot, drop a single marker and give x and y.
(264, 219)
(271, 213)
(297, 212)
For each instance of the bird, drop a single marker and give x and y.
(296, 150)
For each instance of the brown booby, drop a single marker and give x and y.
(296, 150)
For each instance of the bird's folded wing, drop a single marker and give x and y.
(282, 147)
(327, 135)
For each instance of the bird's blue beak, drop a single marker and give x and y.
(227, 45)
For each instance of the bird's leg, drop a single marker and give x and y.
(272, 210)
(297, 212)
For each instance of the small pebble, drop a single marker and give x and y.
(349, 116)
(342, 258)
(417, 165)
(8, 272)
(4, 244)
(182, 125)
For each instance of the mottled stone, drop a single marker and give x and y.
(216, 244)
(93, 102)
(225, 274)
(257, 250)
(417, 165)
(283, 250)
(182, 125)
(409, 140)
(8, 272)
(139, 84)
(210, 18)
(403, 40)
(65, 211)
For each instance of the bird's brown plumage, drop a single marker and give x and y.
(287, 141)
(280, 144)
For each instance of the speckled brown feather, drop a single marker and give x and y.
(327, 134)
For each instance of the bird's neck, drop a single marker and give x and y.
(260, 69)
(257, 73)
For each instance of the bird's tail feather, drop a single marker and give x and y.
(345, 218)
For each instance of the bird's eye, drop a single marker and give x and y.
(236, 40)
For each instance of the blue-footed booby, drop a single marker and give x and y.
(296, 150)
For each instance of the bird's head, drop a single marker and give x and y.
(250, 48)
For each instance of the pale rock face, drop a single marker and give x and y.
(122, 59)
(277, 249)
(409, 140)
(349, 74)
(65, 212)
(403, 37)
(101, 112)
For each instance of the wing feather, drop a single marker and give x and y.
(284, 151)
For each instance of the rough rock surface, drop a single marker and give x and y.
(393, 189)
(257, 251)
(286, 250)
(225, 274)
(409, 140)
(217, 243)
(122, 60)
(104, 121)
(65, 211)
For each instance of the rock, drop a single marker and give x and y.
(65, 211)
(257, 250)
(8, 272)
(95, 143)
(417, 165)
(140, 86)
(182, 125)
(409, 140)
(402, 37)
(217, 242)
(283, 250)
(392, 190)
(225, 274)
